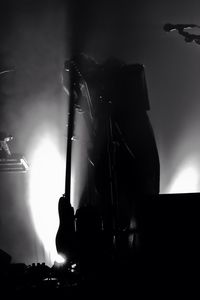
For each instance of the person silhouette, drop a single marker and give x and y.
(124, 153)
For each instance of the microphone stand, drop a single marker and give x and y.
(111, 146)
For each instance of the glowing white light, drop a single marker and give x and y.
(46, 186)
(59, 259)
(186, 181)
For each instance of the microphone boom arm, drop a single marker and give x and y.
(168, 27)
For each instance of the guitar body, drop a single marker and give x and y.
(65, 238)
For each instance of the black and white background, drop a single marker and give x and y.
(35, 39)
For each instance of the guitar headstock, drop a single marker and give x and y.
(78, 83)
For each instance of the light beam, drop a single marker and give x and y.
(47, 173)
(186, 180)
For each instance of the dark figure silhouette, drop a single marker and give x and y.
(123, 160)
(119, 91)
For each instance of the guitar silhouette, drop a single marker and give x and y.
(66, 243)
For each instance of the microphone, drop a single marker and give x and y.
(170, 27)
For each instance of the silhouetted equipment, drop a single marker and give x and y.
(133, 150)
(5, 259)
(10, 162)
(65, 238)
(168, 255)
(170, 27)
(125, 162)
(85, 216)
(91, 243)
(168, 259)
(188, 37)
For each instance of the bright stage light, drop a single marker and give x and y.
(186, 180)
(60, 259)
(47, 176)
